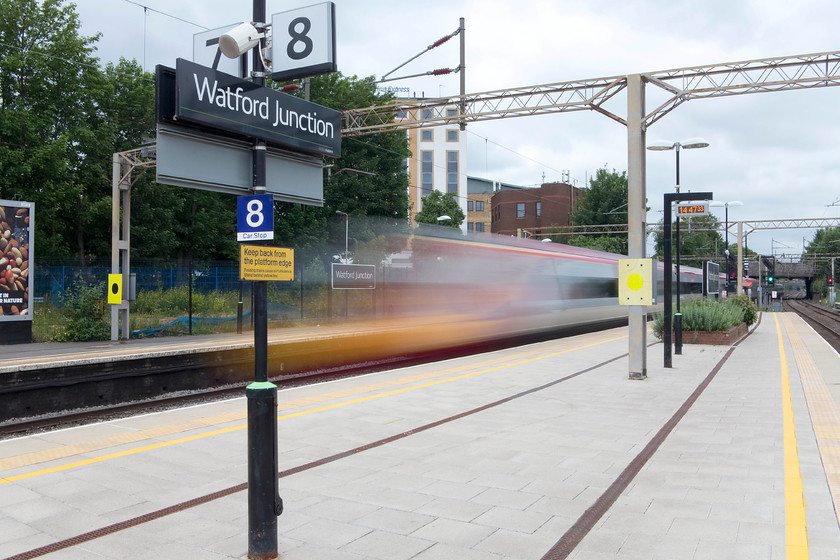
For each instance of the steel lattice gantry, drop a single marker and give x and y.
(679, 85)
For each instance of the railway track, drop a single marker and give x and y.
(824, 320)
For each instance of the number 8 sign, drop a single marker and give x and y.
(303, 42)
(255, 217)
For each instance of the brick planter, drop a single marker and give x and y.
(726, 338)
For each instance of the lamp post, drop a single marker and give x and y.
(726, 206)
(677, 146)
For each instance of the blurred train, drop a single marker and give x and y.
(489, 286)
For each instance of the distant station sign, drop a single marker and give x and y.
(711, 277)
(269, 264)
(221, 101)
(353, 276)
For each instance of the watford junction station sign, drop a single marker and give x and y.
(219, 100)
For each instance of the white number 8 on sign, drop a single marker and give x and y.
(254, 217)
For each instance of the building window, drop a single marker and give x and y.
(479, 206)
(470, 206)
(451, 135)
(427, 159)
(402, 114)
(451, 112)
(470, 226)
(427, 114)
(452, 172)
(479, 227)
(427, 135)
(520, 209)
(539, 209)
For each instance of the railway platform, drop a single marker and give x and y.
(545, 451)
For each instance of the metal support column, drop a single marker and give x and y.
(636, 217)
(120, 241)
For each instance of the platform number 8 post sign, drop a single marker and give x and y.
(255, 217)
(303, 42)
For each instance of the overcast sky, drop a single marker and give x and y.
(778, 153)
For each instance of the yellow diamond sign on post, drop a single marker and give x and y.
(635, 281)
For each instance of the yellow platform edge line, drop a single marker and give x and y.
(796, 528)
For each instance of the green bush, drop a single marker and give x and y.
(747, 306)
(83, 308)
(703, 314)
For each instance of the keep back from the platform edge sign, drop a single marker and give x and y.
(210, 98)
(270, 264)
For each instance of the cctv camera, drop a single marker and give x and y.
(239, 40)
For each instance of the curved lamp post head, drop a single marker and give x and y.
(662, 145)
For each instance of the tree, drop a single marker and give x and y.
(437, 204)
(699, 241)
(603, 203)
(47, 77)
(824, 247)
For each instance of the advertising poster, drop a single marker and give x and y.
(16, 258)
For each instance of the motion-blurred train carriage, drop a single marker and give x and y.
(511, 286)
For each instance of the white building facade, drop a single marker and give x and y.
(438, 162)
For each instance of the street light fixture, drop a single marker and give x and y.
(662, 145)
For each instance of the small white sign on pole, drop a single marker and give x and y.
(303, 42)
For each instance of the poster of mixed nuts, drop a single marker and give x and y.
(15, 259)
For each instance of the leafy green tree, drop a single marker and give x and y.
(47, 74)
(699, 241)
(604, 202)
(823, 247)
(437, 204)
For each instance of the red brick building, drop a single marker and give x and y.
(549, 205)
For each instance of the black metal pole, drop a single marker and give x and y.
(669, 275)
(669, 199)
(264, 503)
(189, 279)
(239, 306)
(678, 315)
(726, 250)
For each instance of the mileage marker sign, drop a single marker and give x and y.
(699, 208)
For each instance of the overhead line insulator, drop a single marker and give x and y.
(441, 41)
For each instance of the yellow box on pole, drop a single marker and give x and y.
(635, 281)
(115, 282)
